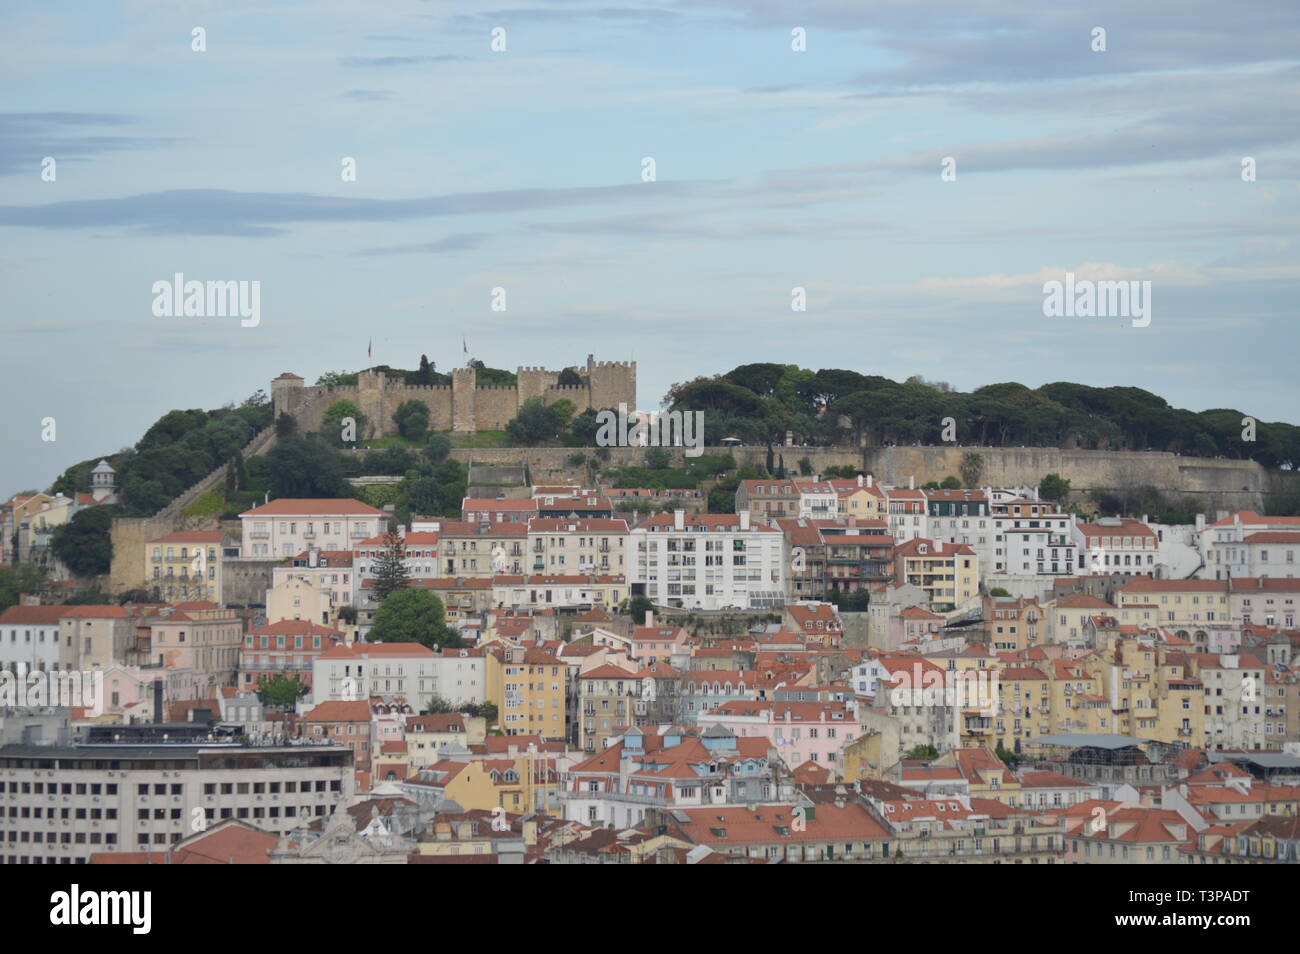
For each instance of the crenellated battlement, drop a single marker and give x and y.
(465, 405)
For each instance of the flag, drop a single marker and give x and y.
(369, 348)
(464, 344)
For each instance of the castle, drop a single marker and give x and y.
(464, 406)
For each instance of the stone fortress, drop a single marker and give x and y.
(464, 406)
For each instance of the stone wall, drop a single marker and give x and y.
(1217, 484)
(464, 406)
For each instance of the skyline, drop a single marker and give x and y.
(522, 170)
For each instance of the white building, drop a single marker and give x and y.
(1247, 544)
(1116, 545)
(30, 635)
(708, 561)
(584, 545)
(289, 526)
(358, 671)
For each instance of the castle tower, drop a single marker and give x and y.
(286, 393)
(463, 383)
(103, 481)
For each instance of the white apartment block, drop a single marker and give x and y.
(1247, 544)
(357, 671)
(1235, 704)
(1115, 545)
(61, 804)
(289, 526)
(30, 635)
(708, 561)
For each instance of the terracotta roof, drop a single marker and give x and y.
(310, 506)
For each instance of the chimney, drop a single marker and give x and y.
(859, 480)
(869, 480)
(911, 482)
(744, 520)
(313, 555)
(679, 519)
(650, 618)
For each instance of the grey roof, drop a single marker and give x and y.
(1092, 741)
(1279, 760)
(103, 468)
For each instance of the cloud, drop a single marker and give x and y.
(260, 214)
(26, 138)
(452, 243)
(369, 95)
(385, 62)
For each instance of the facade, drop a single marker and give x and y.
(288, 526)
(577, 546)
(359, 671)
(947, 573)
(124, 797)
(707, 561)
(186, 565)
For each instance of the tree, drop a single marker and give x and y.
(437, 448)
(332, 423)
(950, 483)
(637, 607)
(348, 614)
(305, 468)
(390, 567)
(537, 422)
(972, 469)
(658, 458)
(412, 615)
(569, 379)
(280, 692)
(412, 419)
(18, 579)
(1054, 487)
(923, 753)
(425, 375)
(83, 544)
(285, 426)
(437, 706)
(999, 591)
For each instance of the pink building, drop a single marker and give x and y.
(200, 638)
(800, 731)
(285, 648)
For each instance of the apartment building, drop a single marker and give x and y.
(60, 804)
(289, 526)
(186, 565)
(1116, 545)
(565, 546)
(530, 690)
(707, 561)
(1248, 544)
(351, 671)
(947, 573)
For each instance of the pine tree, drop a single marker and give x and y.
(390, 567)
(425, 374)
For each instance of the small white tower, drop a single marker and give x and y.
(103, 481)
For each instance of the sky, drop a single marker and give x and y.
(524, 169)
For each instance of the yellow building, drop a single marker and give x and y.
(1024, 707)
(947, 572)
(1181, 605)
(1012, 624)
(1065, 616)
(186, 565)
(528, 687)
